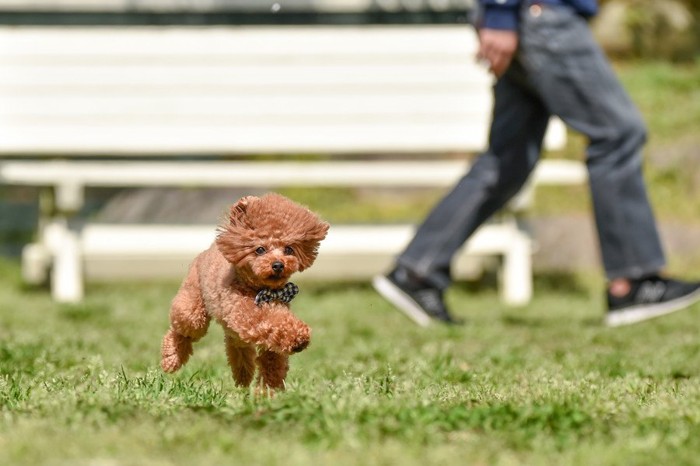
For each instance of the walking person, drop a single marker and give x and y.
(546, 62)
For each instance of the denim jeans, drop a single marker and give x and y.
(558, 70)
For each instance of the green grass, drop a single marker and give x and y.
(543, 384)
(667, 95)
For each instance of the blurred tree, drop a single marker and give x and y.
(663, 29)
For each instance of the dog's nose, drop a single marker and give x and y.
(277, 266)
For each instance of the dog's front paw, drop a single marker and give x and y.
(292, 340)
(301, 346)
(280, 332)
(301, 340)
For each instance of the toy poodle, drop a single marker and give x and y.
(242, 281)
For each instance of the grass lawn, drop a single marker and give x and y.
(543, 384)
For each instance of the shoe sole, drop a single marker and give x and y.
(400, 300)
(650, 311)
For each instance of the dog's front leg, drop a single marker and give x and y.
(281, 331)
(271, 326)
(247, 321)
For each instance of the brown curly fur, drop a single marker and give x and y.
(223, 281)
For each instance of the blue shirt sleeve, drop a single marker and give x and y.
(499, 14)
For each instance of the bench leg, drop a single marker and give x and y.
(67, 271)
(37, 257)
(516, 272)
(36, 262)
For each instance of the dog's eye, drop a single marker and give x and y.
(288, 250)
(260, 251)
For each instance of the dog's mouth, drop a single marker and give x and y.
(276, 279)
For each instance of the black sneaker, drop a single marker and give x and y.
(650, 297)
(419, 302)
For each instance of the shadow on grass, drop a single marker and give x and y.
(541, 322)
(544, 283)
(560, 282)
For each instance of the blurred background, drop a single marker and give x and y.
(654, 45)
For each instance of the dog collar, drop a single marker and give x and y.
(283, 295)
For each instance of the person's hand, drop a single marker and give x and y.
(497, 48)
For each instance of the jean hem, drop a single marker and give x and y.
(636, 272)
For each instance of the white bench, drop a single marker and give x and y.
(73, 99)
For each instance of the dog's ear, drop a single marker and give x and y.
(238, 210)
(233, 235)
(310, 243)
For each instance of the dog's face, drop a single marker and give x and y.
(269, 238)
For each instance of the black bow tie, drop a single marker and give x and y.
(283, 295)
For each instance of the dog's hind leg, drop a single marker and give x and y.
(189, 322)
(241, 359)
(273, 370)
